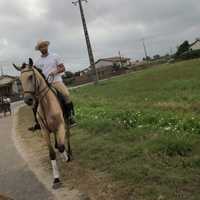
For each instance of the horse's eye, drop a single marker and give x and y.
(30, 77)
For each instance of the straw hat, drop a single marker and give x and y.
(41, 42)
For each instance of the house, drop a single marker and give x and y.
(195, 45)
(106, 67)
(10, 86)
(104, 62)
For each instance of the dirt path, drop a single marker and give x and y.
(17, 181)
(78, 183)
(31, 149)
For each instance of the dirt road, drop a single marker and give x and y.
(16, 179)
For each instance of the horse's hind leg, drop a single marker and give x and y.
(61, 142)
(52, 156)
(56, 142)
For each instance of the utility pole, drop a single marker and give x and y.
(120, 57)
(89, 48)
(145, 50)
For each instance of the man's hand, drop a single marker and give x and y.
(60, 68)
(54, 73)
(51, 77)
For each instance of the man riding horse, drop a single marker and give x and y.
(54, 116)
(52, 67)
(50, 114)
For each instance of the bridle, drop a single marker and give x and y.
(36, 93)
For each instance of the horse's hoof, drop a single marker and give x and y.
(70, 158)
(56, 184)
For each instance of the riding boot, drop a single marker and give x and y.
(37, 125)
(70, 113)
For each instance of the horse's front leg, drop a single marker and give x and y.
(60, 137)
(68, 134)
(52, 156)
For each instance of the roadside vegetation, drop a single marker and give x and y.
(144, 129)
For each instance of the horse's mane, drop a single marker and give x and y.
(58, 95)
(42, 74)
(46, 81)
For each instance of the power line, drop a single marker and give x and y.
(89, 48)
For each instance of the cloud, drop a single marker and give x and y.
(113, 25)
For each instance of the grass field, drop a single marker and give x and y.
(144, 129)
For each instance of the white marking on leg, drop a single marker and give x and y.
(64, 156)
(55, 169)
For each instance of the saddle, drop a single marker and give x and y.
(67, 108)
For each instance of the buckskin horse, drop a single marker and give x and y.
(49, 114)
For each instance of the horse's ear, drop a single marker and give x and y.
(30, 62)
(16, 67)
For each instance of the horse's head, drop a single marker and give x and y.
(28, 80)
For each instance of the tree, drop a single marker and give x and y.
(77, 73)
(157, 56)
(116, 67)
(147, 58)
(68, 77)
(184, 47)
(68, 74)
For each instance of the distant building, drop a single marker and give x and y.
(104, 62)
(195, 45)
(10, 86)
(137, 63)
(107, 66)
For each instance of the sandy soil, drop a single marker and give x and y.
(2, 197)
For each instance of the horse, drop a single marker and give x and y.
(49, 114)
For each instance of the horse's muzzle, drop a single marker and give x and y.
(28, 100)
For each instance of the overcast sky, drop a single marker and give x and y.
(113, 25)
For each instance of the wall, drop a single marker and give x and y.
(196, 46)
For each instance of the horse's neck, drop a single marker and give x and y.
(47, 95)
(42, 83)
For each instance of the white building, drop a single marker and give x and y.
(106, 66)
(104, 62)
(9, 85)
(195, 45)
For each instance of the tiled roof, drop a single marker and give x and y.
(4, 80)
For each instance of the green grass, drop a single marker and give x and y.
(144, 129)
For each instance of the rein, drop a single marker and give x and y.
(38, 96)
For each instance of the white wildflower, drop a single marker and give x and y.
(167, 128)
